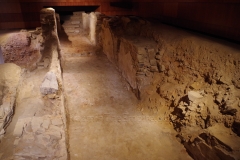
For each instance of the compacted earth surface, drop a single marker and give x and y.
(103, 119)
(142, 91)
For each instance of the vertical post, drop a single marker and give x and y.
(84, 23)
(1, 56)
(92, 26)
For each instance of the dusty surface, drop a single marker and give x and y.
(191, 79)
(104, 122)
(28, 90)
(9, 80)
(41, 128)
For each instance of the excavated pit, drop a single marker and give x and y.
(120, 87)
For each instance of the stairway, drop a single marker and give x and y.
(73, 24)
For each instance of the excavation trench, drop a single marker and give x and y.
(133, 89)
(103, 119)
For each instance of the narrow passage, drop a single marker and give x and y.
(104, 123)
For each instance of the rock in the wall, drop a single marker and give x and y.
(49, 84)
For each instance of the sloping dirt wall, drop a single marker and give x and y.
(190, 80)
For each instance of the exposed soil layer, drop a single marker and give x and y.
(192, 79)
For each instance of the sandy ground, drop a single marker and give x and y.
(28, 92)
(29, 88)
(104, 122)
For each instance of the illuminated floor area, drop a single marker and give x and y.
(104, 122)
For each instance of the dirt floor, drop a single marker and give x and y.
(104, 122)
(28, 93)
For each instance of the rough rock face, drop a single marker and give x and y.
(23, 49)
(50, 84)
(9, 79)
(190, 80)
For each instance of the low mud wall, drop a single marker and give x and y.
(41, 131)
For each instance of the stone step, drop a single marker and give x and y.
(76, 18)
(69, 22)
(72, 31)
(75, 22)
(69, 28)
(72, 34)
(70, 25)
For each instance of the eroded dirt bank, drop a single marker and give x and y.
(191, 79)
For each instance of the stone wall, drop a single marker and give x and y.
(189, 80)
(40, 131)
(49, 31)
